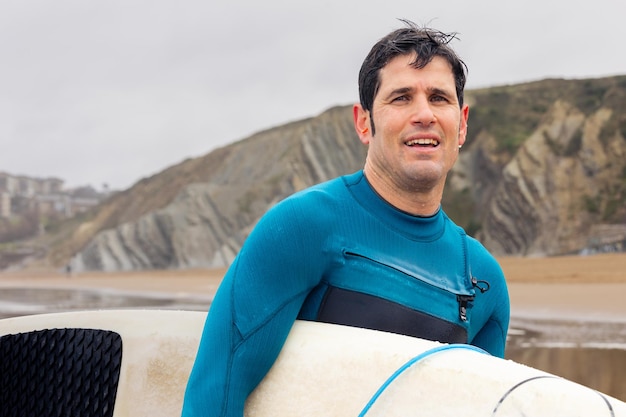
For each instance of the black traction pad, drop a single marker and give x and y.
(60, 373)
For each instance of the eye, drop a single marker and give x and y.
(439, 98)
(400, 98)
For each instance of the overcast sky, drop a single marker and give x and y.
(111, 91)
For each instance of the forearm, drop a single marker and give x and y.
(249, 319)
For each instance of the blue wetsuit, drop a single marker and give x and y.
(338, 253)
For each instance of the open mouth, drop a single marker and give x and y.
(422, 142)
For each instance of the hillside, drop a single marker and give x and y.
(543, 173)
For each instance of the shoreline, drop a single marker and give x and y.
(573, 288)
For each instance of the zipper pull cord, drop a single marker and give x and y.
(482, 285)
(464, 300)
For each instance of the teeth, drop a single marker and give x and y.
(432, 142)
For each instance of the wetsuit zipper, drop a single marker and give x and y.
(463, 299)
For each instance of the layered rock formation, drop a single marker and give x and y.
(206, 224)
(544, 166)
(546, 200)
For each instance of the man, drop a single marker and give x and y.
(372, 249)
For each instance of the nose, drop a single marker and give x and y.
(422, 113)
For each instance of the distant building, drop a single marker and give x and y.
(5, 204)
(44, 196)
(8, 183)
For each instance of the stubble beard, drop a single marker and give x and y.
(422, 179)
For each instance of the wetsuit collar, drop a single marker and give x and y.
(415, 227)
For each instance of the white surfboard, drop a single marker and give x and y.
(323, 370)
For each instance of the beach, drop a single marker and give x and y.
(568, 314)
(568, 287)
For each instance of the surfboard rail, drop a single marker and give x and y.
(326, 370)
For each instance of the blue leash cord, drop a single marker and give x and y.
(410, 363)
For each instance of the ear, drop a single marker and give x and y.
(463, 124)
(362, 123)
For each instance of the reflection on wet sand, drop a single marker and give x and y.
(592, 353)
(27, 301)
(600, 369)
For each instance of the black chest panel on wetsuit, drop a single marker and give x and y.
(356, 309)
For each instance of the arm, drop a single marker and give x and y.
(492, 308)
(253, 312)
(492, 338)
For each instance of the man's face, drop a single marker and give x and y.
(419, 124)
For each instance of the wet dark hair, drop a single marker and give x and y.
(424, 42)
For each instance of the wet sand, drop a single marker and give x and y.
(569, 287)
(568, 314)
(199, 282)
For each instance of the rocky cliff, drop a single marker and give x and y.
(567, 177)
(544, 166)
(205, 224)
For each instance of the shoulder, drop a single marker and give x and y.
(315, 200)
(481, 259)
(310, 208)
(485, 267)
(482, 262)
(478, 255)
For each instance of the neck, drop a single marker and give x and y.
(415, 201)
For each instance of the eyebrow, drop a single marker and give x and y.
(405, 90)
(399, 91)
(441, 92)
